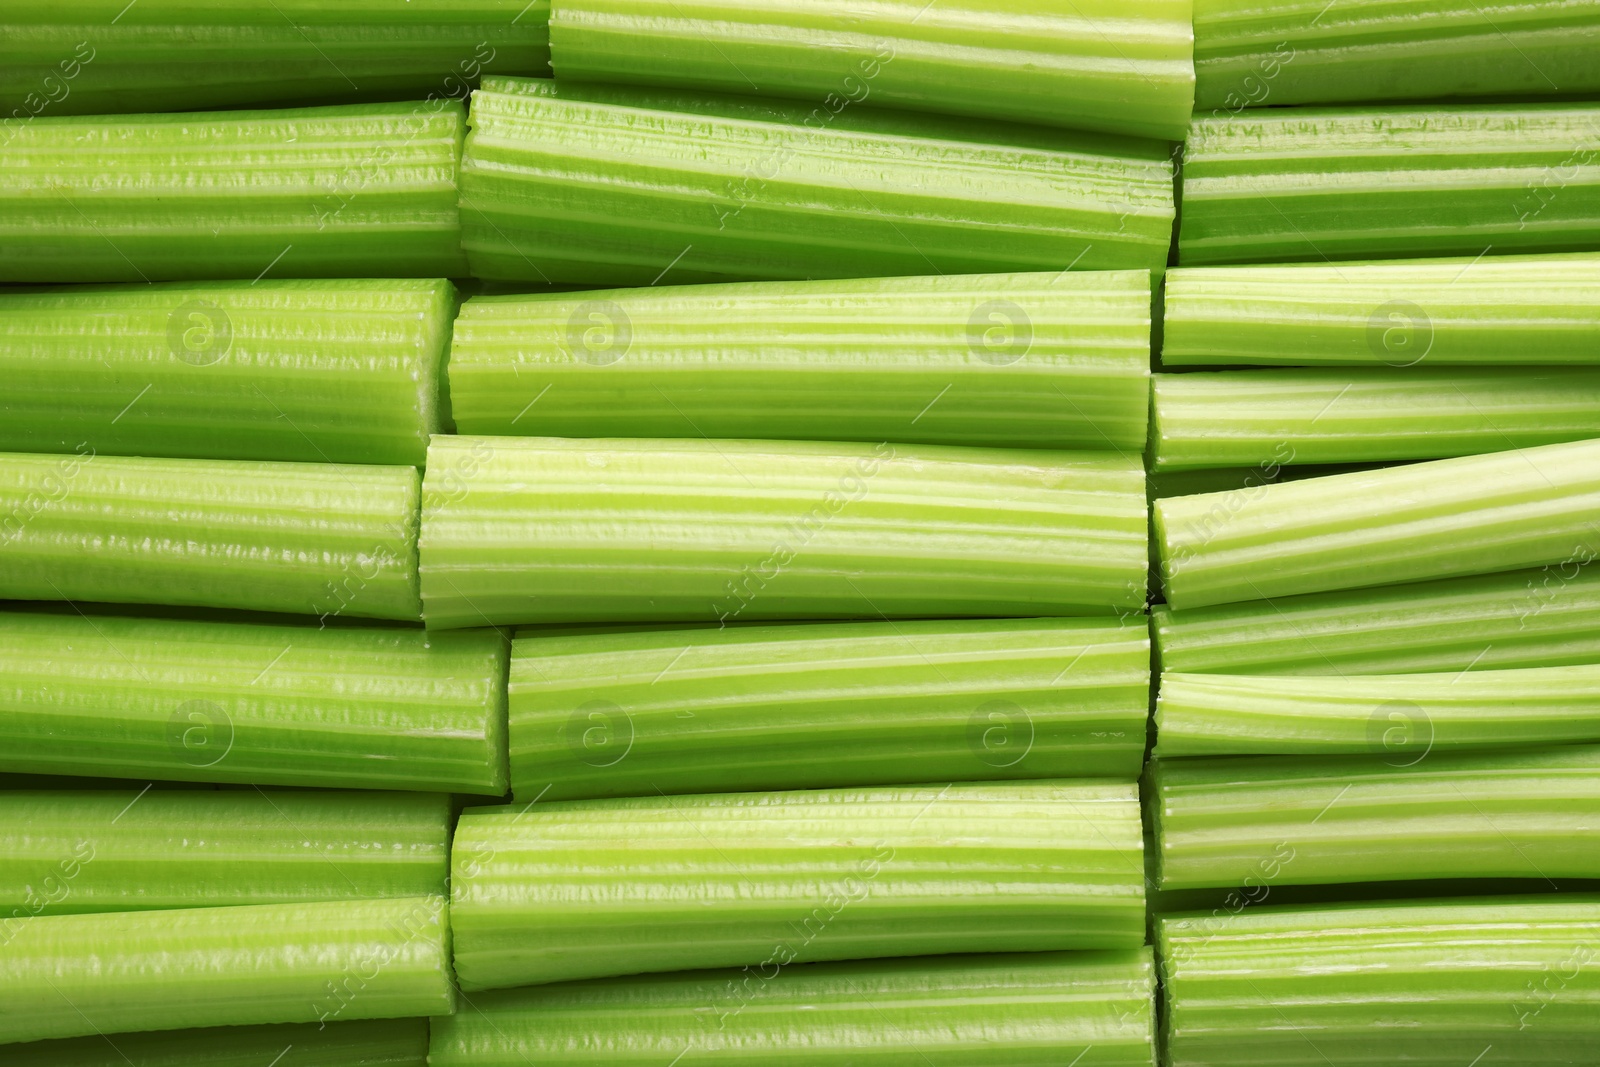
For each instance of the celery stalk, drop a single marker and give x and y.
(367, 1043)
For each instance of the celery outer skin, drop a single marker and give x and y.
(322, 539)
(1024, 1009)
(1433, 983)
(74, 975)
(1322, 820)
(525, 530)
(1352, 183)
(608, 186)
(1115, 68)
(582, 889)
(330, 371)
(365, 1043)
(360, 191)
(1040, 360)
(1445, 518)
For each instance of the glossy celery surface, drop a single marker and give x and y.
(367, 1043)
(619, 186)
(1394, 815)
(1030, 1008)
(1470, 515)
(320, 539)
(827, 704)
(1044, 360)
(547, 892)
(523, 530)
(363, 191)
(1352, 183)
(76, 975)
(1435, 983)
(1117, 68)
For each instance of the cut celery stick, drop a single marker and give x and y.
(1470, 515)
(75, 975)
(213, 701)
(1117, 68)
(1036, 360)
(1441, 983)
(337, 371)
(617, 186)
(1380, 818)
(367, 190)
(522, 530)
(367, 1043)
(1032, 1008)
(548, 892)
(1243, 418)
(813, 705)
(1326, 183)
(308, 538)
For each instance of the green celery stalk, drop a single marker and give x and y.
(523, 530)
(1057, 360)
(1033, 1008)
(365, 190)
(75, 975)
(308, 538)
(366, 1043)
(1469, 515)
(1352, 183)
(549, 892)
(595, 185)
(1319, 820)
(1437, 983)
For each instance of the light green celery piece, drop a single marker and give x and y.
(525, 530)
(1434, 983)
(362, 191)
(1353, 183)
(1046, 360)
(1403, 815)
(1470, 515)
(76, 975)
(584, 889)
(597, 185)
(1034, 1009)
(367, 1043)
(322, 539)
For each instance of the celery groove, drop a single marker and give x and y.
(366, 1043)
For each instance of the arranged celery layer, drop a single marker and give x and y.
(1050, 360)
(337, 371)
(1028, 1008)
(1469, 515)
(75, 975)
(309, 538)
(547, 892)
(1432, 983)
(366, 190)
(617, 186)
(519, 530)
(1123, 68)
(1490, 309)
(1326, 183)
(1403, 815)
(366, 1043)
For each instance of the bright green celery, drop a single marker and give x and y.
(1436, 983)
(363, 191)
(99, 850)
(1318, 820)
(1449, 517)
(365, 1043)
(308, 538)
(1053, 360)
(617, 186)
(1123, 68)
(75, 975)
(524, 530)
(1033, 1008)
(337, 371)
(548, 892)
(1351, 183)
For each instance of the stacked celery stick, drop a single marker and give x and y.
(619, 533)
